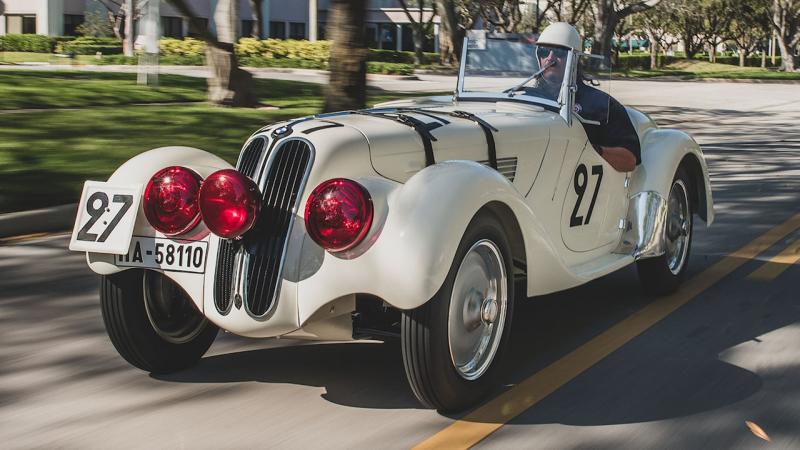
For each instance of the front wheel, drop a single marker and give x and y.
(152, 322)
(452, 344)
(662, 275)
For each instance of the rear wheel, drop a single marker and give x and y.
(152, 322)
(452, 344)
(663, 275)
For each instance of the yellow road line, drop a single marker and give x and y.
(777, 264)
(485, 420)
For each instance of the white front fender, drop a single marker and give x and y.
(415, 237)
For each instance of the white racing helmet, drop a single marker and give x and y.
(561, 34)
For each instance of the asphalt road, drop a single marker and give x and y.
(691, 381)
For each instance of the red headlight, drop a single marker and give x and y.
(229, 203)
(170, 200)
(338, 214)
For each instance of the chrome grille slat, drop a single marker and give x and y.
(226, 258)
(265, 244)
(223, 280)
(250, 157)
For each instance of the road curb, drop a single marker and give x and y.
(56, 218)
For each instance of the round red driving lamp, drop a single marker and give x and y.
(338, 214)
(229, 203)
(170, 200)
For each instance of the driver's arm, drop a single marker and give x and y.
(620, 158)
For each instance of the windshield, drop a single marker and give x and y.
(512, 64)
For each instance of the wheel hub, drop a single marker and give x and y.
(477, 311)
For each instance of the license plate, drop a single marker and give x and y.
(165, 254)
(106, 216)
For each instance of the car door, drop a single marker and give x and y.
(596, 199)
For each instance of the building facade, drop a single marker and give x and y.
(387, 25)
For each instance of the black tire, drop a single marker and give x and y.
(655, 274)
(429, 365)
(128, 324)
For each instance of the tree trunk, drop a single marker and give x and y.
(741, 57)
(451, 36)
(653, 50)
(418, 38)
(348, 63)
(127, 41)
(787, 57)
(258, 27)
(229, 85)
(606, 21)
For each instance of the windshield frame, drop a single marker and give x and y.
(564, 98)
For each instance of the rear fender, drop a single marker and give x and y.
(663, 151)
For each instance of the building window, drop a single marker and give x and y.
(321, 30)
(247, 28)
(172, 27)
(21, 24)
(277, 30)
(71, 21)
(297, 30)
(387, 36)
(197, 25)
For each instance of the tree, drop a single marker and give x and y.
(258, 23)
(785, 21)
(348, 64)
(716, 24)
(750, 26)
(504, 15)
(608, 13)
(123, 12)
(94, 24)
(229, 84)
(687, 20)
(657, 23)
(419, 26)
(450, 34)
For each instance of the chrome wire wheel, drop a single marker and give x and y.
(169, 309)
(678, 227)
(478, 309)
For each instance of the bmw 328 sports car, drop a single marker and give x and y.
(412, 219)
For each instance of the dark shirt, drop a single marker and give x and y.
(615, 129)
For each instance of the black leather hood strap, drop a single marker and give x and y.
(419, 126)
(488, 130)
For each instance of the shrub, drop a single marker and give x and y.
(26, 43)
(318, 51)
(90, 46)
(390, 68)
(182, 47)
(393, 56)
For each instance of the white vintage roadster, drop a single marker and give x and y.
(410, 220)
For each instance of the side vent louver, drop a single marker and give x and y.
(506, 166)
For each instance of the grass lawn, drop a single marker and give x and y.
(45, 155)
(701, 69)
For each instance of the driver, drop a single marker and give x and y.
(615, 138)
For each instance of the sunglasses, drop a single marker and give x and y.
(544, 52)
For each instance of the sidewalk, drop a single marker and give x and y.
(56, 218)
